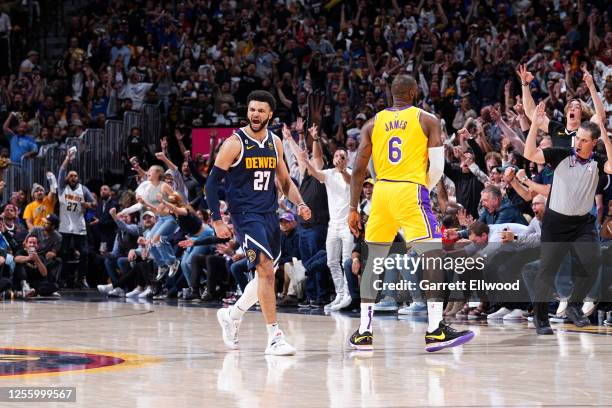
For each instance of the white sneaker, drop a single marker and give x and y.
(499, 314)
(146, 293)
(25, 286)
(173, 269)
(561, 308)
(229, 327)
(588, 308)
(344, 302)
(105, 289)
(278, 346)
(117, 292)
(387, 304)
(334, 302)
(134, 293)
(161, 272)
(415, 308)
(562, 318)
(516, 314)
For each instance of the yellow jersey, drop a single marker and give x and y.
(399, 146)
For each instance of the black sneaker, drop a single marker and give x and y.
(576, 316)
(305, 304)
(287, 301)
(317, 304)
(362, 341)
(189, 296)
(445, 336)
(608, 322)
(542, 326)
(207, 296)
(354, 306)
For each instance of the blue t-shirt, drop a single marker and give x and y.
(21, 145)
(99, 106)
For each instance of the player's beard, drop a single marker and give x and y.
(262, 125)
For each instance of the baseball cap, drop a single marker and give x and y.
(368, 181)
(361, 116)
(149, 213)
(289, 217)
(53, 220)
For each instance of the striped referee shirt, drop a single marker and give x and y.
(574, 180)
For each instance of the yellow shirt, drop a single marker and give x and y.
(38, 211)
(399, 146)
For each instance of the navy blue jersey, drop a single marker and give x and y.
(250, 181)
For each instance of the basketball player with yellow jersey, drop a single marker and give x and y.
(405, 145)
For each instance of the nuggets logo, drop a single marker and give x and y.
(16, 362)
(251, 255)
(270, 145)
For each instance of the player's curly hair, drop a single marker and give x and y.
(262, 96)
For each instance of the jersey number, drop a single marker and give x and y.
(72, 207)
(261, 181)
(395, 150)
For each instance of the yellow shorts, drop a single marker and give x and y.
(398, 205)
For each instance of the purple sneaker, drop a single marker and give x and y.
(445, 336)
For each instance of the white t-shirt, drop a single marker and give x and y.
(136, 92)
(351, 158)
(496, 229)
(338, 195)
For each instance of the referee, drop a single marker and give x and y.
(568, 224)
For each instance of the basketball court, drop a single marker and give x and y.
(120, 354)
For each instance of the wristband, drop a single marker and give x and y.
(352, 208)
(525, 83)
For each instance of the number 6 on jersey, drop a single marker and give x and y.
(395, 150)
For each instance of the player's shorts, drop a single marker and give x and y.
(403, 205)
(258, 233)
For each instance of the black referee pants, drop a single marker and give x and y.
(562, 235)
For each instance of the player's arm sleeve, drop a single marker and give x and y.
(436, 166)
(212, 191)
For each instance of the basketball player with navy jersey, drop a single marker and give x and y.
(250, 160)
(405, 145)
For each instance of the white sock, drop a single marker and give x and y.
(273, 329)
(434, 315)
(248, 299)
(367, 314)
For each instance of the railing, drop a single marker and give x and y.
(98, 151)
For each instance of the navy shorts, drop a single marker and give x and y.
(258, 233)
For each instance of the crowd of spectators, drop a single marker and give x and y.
(481, 67)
